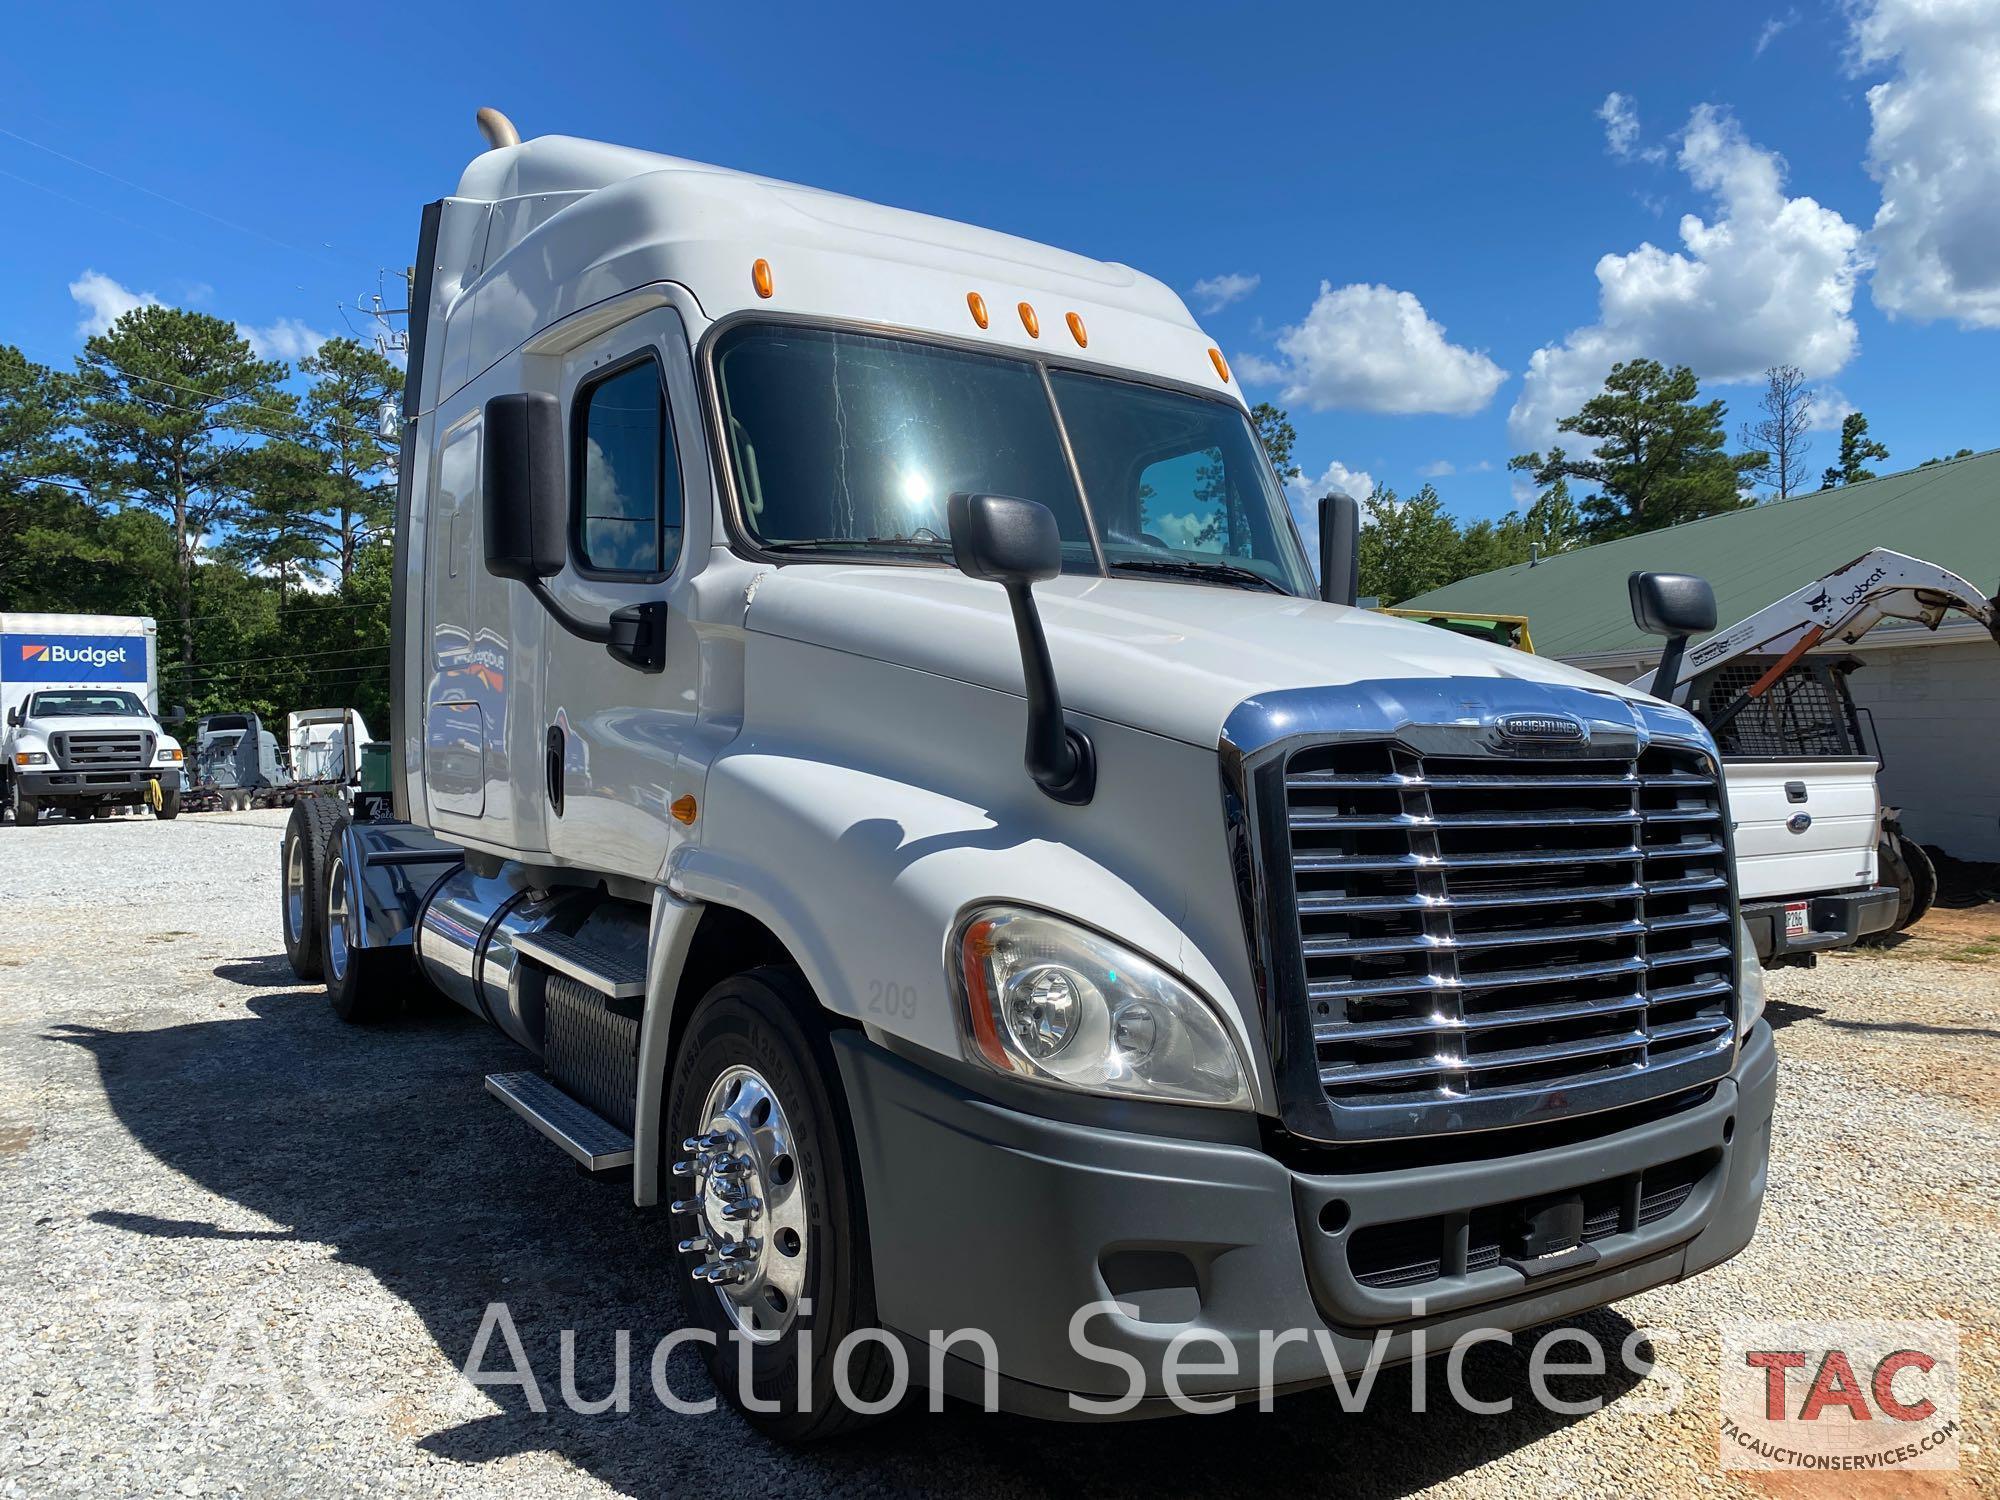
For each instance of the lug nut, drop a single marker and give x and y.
(729, 1166)
(742, 1249)
(684, 1206)
(696, 1246)
(683, 1169)
(742, 1208)
(714, 1141)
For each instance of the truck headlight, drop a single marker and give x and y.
(1053, 1002)
(168, 757)
(1749, 982)
(31, 757)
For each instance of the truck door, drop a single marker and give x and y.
(481, 721)
(612, 733)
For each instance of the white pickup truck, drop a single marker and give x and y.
(82, 732)
(1818, 864)
(864, 725)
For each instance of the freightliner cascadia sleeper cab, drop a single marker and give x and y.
(866, 726)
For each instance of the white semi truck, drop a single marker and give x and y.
(864, 725)
(83, 734)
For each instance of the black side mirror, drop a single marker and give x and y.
(14, 717)
(1016, 544)
(176, 715)
(524, 518)
(1339, 548)
(1675, 605)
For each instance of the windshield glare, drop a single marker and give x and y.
(850, 443)
(83, 705)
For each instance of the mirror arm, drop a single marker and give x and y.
(1061, 760)
(635, 635)
(1666, 676)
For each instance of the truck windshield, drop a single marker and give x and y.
(83, 705)
(849, 443)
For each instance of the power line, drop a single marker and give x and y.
(75, 161)
(237, 661)
(250, 406)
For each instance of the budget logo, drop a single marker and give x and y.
(1840, 1397)
(33, 651)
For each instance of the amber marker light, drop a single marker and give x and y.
(1221, 365)
(1030, 322)
(683, 808)
(1076, 330)
(975, 948)
(977, 305)
(760, 277)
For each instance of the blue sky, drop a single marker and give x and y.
(1395, 207)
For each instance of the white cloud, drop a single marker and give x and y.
(1437, 469)
(1769, 280)
(1217, 292)
(1620, 114)
(287, 339)
(1829, 409)
(1305, 495)
(104, 302)
(1774, 28)
(1935, 149)
(1372, 348)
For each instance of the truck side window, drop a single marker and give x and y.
(628, 483)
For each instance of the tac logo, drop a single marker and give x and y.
(1842, 1397)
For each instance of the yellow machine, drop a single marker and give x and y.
(1504, 630)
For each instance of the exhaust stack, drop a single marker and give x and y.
(497, 128)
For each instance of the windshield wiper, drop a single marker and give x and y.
(924, 544)
(1208, 572)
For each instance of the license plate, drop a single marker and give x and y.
(1796, 924)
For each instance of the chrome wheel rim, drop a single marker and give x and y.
(295, 890)
(743, 1184)
(336, 920)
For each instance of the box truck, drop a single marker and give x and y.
(864, 724)
(83, 735)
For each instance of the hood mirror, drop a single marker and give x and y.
(1016, 544)
(1675, 605)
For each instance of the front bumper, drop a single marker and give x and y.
(984, 1217)
(1835, 921)
(101, 786)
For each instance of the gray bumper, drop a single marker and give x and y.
(982, 1216)
(1837, 921)
(100, 785)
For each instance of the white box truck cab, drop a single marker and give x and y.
(83, 735)
(1307, 970)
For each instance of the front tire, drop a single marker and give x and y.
(169, 805)
(366, 985)
(760, 1087)
(27, 811)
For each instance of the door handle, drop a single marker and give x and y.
(552, 767)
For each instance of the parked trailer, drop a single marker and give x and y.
(864, 726)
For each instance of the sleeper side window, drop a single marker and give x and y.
(628, 485)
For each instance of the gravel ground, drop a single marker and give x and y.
(196, 1159)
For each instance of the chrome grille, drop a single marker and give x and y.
(1475, 926)
(102, 750)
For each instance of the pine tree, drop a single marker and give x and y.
(1661, 456)
(173, 407)
(1857, 450)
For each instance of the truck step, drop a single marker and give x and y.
(593, 1141)
(597, 965)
